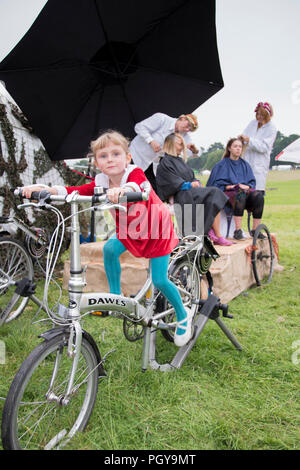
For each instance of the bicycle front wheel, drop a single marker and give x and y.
(35, 415)
(15, 264)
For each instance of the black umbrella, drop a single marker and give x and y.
(89, 65)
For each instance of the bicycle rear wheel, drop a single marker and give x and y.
(185, 275)
(15, 264)
(34, 415)
(262, 256)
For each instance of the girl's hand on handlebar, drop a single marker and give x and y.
(113, 194)
(28, 190)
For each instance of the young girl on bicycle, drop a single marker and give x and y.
(147, 231)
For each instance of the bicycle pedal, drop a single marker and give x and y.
(25, 287)
(99, 314)
(226, 315)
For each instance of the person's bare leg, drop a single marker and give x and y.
(238, 222)
(256, 223)
(219, 240)
(216, 225)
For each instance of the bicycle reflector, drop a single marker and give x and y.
(99, 314)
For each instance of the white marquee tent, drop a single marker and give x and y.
(291, 153)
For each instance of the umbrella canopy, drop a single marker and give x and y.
(86, 66)
(291, 153)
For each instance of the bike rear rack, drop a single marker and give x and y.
(208, 309)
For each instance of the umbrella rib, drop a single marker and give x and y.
(43, 67)
(151, 31)
(118, 72)
(98, 111)
(147, 34)
(167, 73)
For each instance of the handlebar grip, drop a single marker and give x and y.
(35, 195)
(18, 192)
(132, 197)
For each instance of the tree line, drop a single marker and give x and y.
(214, 153)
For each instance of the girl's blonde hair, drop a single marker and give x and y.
(106, 138)
(169, 145)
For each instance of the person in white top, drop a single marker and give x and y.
(146, 147)
(259, 136)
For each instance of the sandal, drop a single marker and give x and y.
(181, 340)
(223, 242)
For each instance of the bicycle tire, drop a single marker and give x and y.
(31, 420)
(15, 264)
(180, 273)
(262, 256)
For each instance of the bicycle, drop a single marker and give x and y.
(262, 249)
(262, 255)
(53, 393)
(17, 260)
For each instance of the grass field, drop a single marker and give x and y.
(220, 398)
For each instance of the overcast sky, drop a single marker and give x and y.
(259, 48)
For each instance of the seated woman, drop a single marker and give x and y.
(234, 176)
(174, 177)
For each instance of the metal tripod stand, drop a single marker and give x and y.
(208, 310)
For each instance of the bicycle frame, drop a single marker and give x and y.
(82, 302)
(118, 305)
(22, 226)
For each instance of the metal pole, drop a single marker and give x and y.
(228, 333)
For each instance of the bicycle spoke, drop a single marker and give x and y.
(36, 423)
(45, 423)
(15, 265)
(11, 258)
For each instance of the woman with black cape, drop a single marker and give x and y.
(175, 178)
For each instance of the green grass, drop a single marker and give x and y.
(220, 398)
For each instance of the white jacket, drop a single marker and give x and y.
(259, 149)
(156, 127)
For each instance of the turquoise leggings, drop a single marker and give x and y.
(112, 250)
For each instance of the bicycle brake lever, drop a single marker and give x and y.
(27, 204)
(119, 207)
(110, 206)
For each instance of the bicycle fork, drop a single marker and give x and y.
(74, 349)
(76, 284)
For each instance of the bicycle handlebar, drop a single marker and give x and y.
(35, 195)
(133, 197)
(46, 197)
